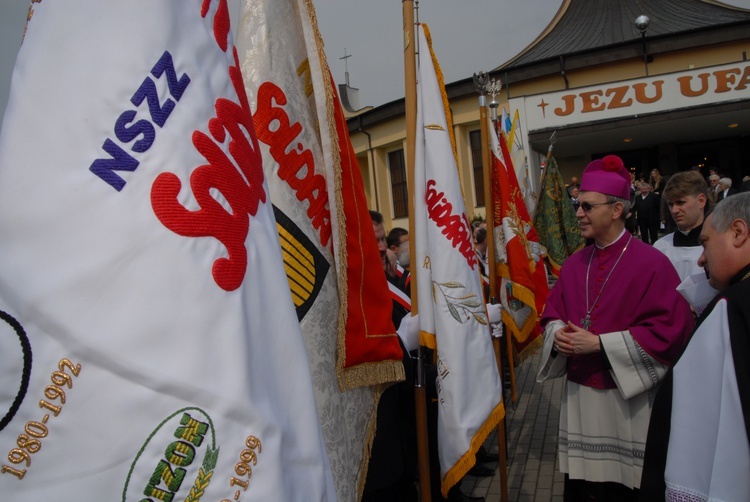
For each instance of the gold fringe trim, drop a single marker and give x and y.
(441, 83)
(340, 249)
(468, 460)
(520, 291)
(428, 340)
(520, 334)
(558, 266)
(525, 295)
(553, 266)
(381, 372)
(446, 108)
(372, 426)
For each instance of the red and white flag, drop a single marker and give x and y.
(452, 313)
(149, 345)
(519, 266)
(330, 253)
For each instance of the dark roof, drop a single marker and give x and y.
(585, 25)
(675, 25)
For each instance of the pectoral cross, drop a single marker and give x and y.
(586, 322)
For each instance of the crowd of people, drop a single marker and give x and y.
(624, 327)
(392, 471)
(652, 337)
(650, 216)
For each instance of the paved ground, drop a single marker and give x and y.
(531, 432)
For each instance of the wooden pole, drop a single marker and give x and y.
(508, 336)
(420, 394)
(502, 463)
(490, 220)
(489, 216)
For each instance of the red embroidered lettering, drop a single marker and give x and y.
(242, 189)
(221, 22)
(297, 167)
(454, 227)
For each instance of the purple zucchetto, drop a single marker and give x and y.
(607, 176)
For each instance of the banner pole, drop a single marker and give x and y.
(489, 219)
(552, 140)
(410, 101)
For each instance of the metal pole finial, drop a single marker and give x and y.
(493, 88)
(480, 81)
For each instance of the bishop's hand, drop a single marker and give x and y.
(573, 339)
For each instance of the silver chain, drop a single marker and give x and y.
(586, 321)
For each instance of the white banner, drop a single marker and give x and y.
(452, 312)
(161, 358)
(284, 79)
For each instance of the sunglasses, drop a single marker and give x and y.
(586, 206)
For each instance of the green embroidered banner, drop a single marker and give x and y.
(555, 219)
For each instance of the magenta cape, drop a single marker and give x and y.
(640, 297)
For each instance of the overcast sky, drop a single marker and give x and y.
(468, 36)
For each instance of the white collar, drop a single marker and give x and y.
(618, 238)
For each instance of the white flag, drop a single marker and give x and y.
(514, 139)
(452, 313)
(311, 178)
(160, 357)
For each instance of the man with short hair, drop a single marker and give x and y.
(396, 237)
(724, 189)
(646, 210)
(614, 323)
(697, 446)
(386, 255)
(397, 241)
(390, 472)
(713, 180)
(686, 195)
(393, 456)
(379, 228)
(573, 191)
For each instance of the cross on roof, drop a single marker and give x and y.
(346, 65)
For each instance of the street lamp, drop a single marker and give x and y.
(641, 23)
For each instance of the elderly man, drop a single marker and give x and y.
(686, 195)
(724, 189)
(713, 180)
(573, 191)
(614, 324)
(698, 440)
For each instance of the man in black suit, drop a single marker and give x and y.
(573, 191)
(724, 189)
(646, 208)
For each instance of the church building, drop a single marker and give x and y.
(664, 84)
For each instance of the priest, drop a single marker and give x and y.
(686, 194)
(614, 324)
(698, 442)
